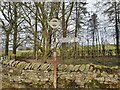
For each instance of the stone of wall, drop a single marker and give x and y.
(69, 76)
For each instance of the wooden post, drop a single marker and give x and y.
(54, 23)
(55, 70)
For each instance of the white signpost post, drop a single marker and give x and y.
(54, 23)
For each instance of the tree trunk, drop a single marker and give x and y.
(103, 47)
(15, 31)
(64, 48)
(76, 30)
(7, 44)
(94, 21)
(117, 30)
(35, 36)
(93, 45)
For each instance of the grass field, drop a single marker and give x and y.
(107, 47)
(109, 61)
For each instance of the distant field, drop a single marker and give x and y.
(85, 48)
(107, 47)
(104, 60)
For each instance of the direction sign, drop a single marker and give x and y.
(54, 23)
(69, 39)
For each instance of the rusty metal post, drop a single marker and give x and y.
(55, 70)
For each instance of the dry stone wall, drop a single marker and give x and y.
(69, 76)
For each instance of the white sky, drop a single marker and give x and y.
(91, 9)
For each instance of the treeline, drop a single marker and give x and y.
(26, 23)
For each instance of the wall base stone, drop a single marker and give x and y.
(68, 76)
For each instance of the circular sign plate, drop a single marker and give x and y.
(54, 23)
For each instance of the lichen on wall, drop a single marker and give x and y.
(68, 76)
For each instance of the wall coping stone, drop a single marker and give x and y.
(61, 67)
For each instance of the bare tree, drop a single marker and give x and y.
(7, 22)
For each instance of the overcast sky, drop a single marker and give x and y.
(92, 9)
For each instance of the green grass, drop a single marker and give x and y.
(20, 52)
(107, 47)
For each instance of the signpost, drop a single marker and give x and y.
(54, 23)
